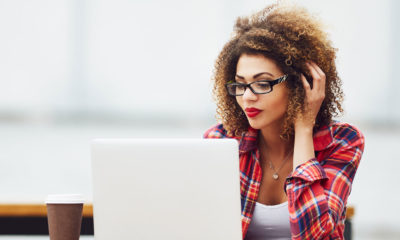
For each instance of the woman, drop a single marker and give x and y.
(277, 90)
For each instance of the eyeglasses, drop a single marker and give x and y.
(258, 87)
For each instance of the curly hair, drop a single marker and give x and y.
(291, 36)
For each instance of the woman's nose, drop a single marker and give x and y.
(249, 95)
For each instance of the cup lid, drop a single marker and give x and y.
(65, 198)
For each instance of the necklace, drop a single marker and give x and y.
(275, 175)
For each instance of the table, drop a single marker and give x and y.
(35, 215)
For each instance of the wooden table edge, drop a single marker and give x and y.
(34, 210)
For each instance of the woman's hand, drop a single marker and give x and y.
(314, 97)
(304, 122)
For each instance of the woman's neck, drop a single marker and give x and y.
(272, 145)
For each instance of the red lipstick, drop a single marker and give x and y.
(252, 112)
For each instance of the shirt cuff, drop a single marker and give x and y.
(309, 171)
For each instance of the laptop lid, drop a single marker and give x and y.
(166, 189)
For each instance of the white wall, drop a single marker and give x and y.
(34, 46)
(141, 57)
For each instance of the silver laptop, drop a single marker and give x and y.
(166, 189)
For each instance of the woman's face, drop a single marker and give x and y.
(262, 110)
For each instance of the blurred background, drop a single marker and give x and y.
(74, 70)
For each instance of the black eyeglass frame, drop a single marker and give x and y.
(248, 85)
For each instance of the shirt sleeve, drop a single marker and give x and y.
(318, 190)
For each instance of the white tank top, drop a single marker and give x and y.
(269, 222)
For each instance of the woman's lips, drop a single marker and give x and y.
(252, 112)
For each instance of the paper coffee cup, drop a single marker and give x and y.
(64, 215)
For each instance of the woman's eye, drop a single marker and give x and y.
(262, 85)
(240, 87)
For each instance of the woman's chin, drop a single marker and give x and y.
(261, 123)
(255, 124)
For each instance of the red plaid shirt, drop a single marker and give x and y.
(317, 190)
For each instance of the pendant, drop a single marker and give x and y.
(275, 176)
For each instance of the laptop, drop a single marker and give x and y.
(169, 189)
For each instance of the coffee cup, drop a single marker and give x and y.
(64, 215)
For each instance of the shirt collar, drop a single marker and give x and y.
(322, 139)
(248, 142)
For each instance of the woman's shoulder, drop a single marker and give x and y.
(344, 129)
(343, 133)
(340, 141)
(217, 131)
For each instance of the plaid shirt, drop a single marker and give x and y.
(317, 190)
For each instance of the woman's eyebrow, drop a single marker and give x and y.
(256, 75)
